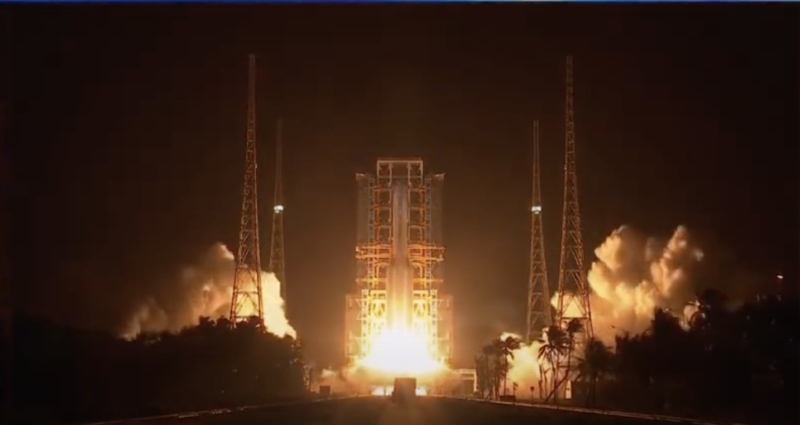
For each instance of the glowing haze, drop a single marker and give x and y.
(205, 289)
(401, 352)
(394, 353)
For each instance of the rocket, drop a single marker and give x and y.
(400, 291)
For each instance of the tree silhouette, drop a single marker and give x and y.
(728, 364)
(595, 362)
(506, 350)
(91, 376)
(552, 347)
(484, 375)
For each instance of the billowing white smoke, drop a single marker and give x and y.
(631, 276)
(205, 290)
(524, 367)
(274, 314)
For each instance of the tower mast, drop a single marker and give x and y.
(539, 316)
(276, 255)
(247, 299)
(573, 292)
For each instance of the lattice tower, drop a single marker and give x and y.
(277, 263)
(247, 299)
(539, 309)
(573, 291)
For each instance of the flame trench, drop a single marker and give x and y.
(397, 323)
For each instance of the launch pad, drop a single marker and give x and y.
(399, 257)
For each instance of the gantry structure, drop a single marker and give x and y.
(247, 300)
(367, 310)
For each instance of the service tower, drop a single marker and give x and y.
(399, 257)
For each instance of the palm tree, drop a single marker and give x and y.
(489, 353)
(506, 349)
(574, 326)
(551, 350)
(567, 343)
(596, 362)
(483, 374)
(500, 369)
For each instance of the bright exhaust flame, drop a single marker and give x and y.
(401, 352)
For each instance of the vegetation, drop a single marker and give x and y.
(728, 364)
(67, 375)
(492, 367)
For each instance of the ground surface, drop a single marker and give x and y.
(381, 411)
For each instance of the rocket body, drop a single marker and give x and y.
(400, 290)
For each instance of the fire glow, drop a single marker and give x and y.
(401, 352)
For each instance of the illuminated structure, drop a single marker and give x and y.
(539, 308)
(276, 254)
(247, 300)
(573, 291)
(399, 258)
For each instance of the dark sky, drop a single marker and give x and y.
(124, 135)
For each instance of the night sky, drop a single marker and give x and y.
(123, 141)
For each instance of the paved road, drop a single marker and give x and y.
(381, 411)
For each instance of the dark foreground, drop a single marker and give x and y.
(381, 411)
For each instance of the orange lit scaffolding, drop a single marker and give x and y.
(366, 311)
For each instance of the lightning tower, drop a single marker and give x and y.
(276, 255)
(573, 292)
(539, 316)
(247, 300)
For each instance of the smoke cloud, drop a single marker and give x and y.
(631, 276)
(524, 366)
(204, 289)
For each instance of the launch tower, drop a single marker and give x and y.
(399, 256)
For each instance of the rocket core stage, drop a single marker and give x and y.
(400, 293)
(399, 256)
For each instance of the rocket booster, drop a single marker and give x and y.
(400, 291)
